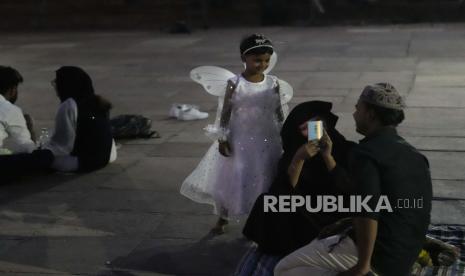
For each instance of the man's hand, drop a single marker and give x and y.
(224, 148)
(355, 271)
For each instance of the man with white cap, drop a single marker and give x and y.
(384, 241)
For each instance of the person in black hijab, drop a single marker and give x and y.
(282, 233)
(82, 140)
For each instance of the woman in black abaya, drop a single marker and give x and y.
(279, 234)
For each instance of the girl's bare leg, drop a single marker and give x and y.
(220, 226)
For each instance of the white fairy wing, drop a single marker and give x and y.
(214, 131)
(286, 92)
(212, 78)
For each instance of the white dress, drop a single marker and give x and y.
(234, 183)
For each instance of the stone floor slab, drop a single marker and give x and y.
(164, 256)
(174, 227)
(448, 212)
(445, 97)
(446, 144)
(451, 189)
(79, 255)
(446, 165)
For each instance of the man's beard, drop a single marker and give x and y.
(359, 128)
(14, 99)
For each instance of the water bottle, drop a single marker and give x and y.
(43, 138)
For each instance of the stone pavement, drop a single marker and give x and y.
(129, 218)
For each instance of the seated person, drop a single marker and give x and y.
(13, 166)
(385, 169)
(15, 131)
(17, 148)
(82, 139)
(305, 168)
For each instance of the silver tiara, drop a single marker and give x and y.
(257, 46)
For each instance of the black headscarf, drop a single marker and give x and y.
(73, 82)
(291, 136)
(314, 169)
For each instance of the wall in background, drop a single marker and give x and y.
(169, 14)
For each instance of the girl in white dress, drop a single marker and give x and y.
(242, 163)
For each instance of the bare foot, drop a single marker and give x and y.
(220, 227)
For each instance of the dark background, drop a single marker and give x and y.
(191, 14)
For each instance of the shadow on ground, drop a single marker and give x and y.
(19, 187)
(207, 256)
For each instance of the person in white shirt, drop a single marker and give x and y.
(15, 128)
(18, 154)
(82, 139)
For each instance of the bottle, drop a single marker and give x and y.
(43, 138)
